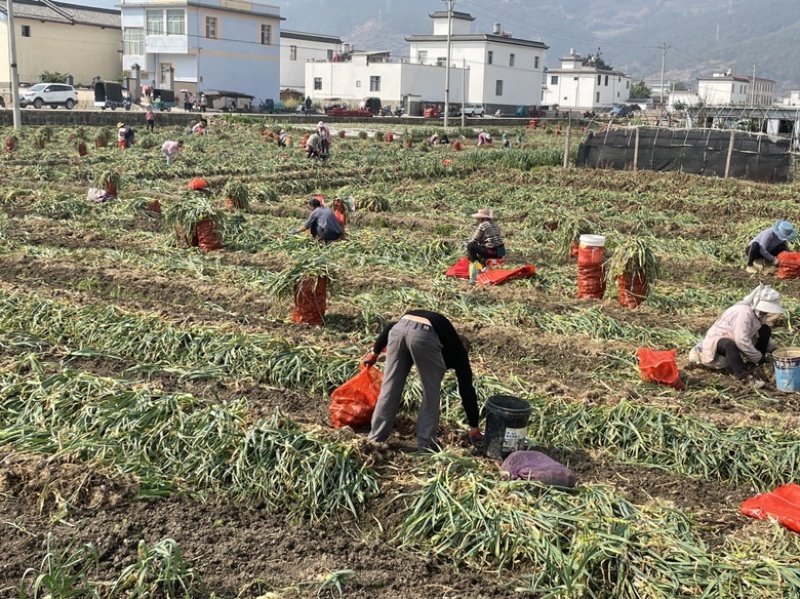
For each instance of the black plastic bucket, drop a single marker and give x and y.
(506, 425)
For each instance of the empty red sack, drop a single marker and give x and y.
(782, 504)
(659, 367)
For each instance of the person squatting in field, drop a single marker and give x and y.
(322, 223)
(741, 330)
(314, 146)
(765, 248)
(429, 341)
(487, 242)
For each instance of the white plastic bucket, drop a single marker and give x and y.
(597, 241)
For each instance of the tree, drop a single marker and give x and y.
(640, 90)
(48, 77)
(596, 61)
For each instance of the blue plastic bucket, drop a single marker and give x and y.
(787, 369)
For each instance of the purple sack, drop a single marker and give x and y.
(534, 465)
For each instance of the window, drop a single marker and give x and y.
(317, 83)
(441, 61)
(292, 52)
(26, 31)
(597, 97)
(133, 41)
(599, 79)
(422, 55)
(511, 60)
(606, 80)
(498, 87)
(330, 54)
(155, 22)
(627, 85)
(489, 57)
(553, 79)
(358, 82)
(166, 73)
(211, 27)
(535, 62)
(176, 22)
(375, 83)
(266, 35)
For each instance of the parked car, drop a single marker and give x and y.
(624, 110)
(52, 94)
(473, 110)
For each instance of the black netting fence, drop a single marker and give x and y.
(753, 156)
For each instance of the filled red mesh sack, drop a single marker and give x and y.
(590, 255)
(353, 403)
(501, 275)
(460, 269)
(197, 184)
(632, 289)
(340, 212)
(310, 301)
(206, 236)
(591, 281)
(789, 265)
(659, 367)
(534, 465)
(782, 504)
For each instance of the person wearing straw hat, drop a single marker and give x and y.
(429, 341)
(742, 330)
(324, 137)
(487, 242)
(764, 249)
(122, 135)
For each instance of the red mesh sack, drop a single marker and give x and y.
(591, 281)
(310, 301)
(206, 236)
(460, 269)
(782, 504)
(659, 367)
(340, 212)
(501, 275)
(353, 403)
(197, 184)
(632, 289)
(789, 265)
(590, 255)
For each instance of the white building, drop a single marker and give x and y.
(792, 100)
(297, 48)
(724, 89)
(584, 87)
(375, 74)
(204, 45)
(504, 72)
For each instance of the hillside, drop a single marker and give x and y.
(703, 35)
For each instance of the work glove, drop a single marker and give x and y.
(369, 359)
(294, 231)
(775, 262)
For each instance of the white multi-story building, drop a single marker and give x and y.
(724, 89)
(231, 45)
(584, 86)
(298, 48)
(375, 74)
(504, 72)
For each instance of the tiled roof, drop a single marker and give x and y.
(65, 13)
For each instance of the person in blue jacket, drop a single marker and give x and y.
(765, 248)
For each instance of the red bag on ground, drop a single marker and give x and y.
(206, 236)
(310, 301)
(501, 275)
(659, 367)
(789, 265)
(632, 289)
(782, 504)
(352, 404)
(460, 269)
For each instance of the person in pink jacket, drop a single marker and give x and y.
(742, 330)
(170, 149)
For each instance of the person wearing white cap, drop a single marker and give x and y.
(484, 138)
(765, 247)
(324, 136)
(742, 330)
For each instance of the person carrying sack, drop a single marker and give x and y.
(429, 341)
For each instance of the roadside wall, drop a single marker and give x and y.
(713, 152)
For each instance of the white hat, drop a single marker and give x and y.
(488, 136)
(768, 301)
(320, 124)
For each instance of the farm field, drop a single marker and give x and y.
(165, 427)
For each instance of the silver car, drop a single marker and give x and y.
(52, 94)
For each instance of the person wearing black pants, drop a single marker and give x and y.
(765, 248)
(733, 355)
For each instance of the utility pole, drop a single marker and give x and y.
(447, 67)
(12, 59)
(463, 91)
(664, 49)
(753, 88)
